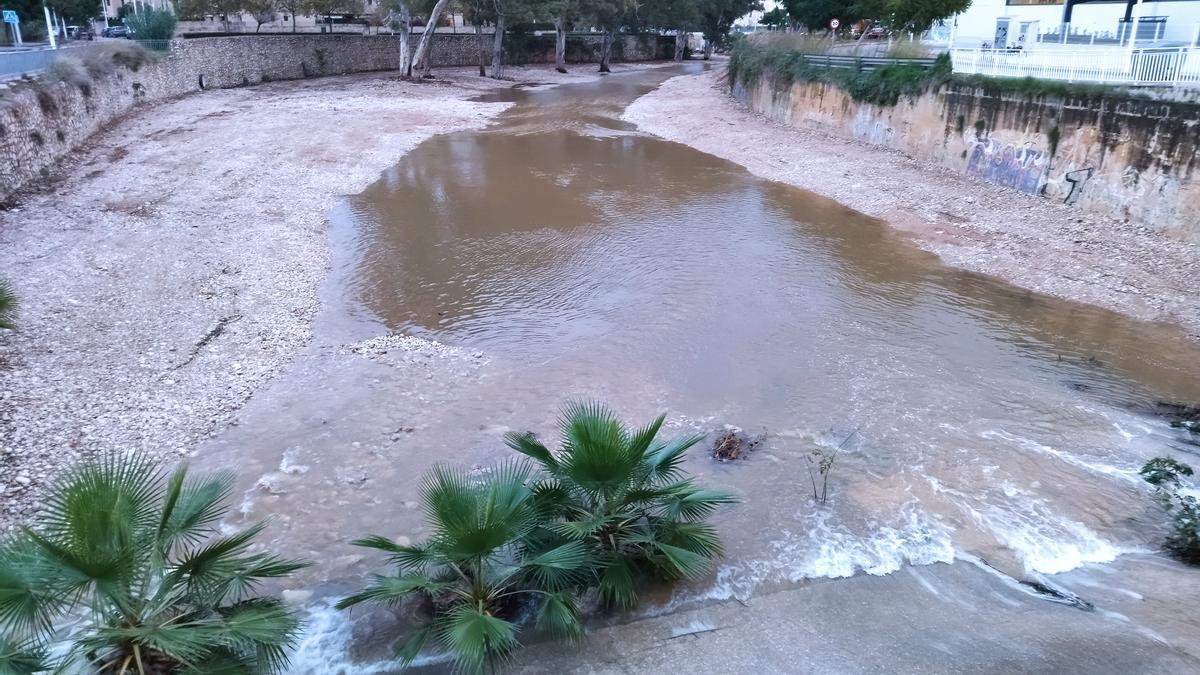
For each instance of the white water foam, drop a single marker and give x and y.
(828, 549)
(324, 648)
(1044, 541)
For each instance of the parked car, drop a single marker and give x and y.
(115, 32)
(876, 33)
(79, 33)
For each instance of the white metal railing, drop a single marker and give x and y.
(1179, 66)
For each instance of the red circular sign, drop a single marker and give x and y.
(834, 23)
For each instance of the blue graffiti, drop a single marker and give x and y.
(1018, 168)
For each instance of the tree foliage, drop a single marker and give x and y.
(1168, 477)
(152, 24)
(133, 560)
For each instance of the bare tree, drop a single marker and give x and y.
(425, 45)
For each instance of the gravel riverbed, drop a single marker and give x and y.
(1028, 241)
(172, 266)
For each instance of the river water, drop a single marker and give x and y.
(560, 254)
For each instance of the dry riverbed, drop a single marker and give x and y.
(1028, 241)
(172, 267)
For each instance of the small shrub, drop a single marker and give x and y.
(133, 561)
(1166, 475)
(67, 69)
(152, 24)
(625, 496)
(8, 306)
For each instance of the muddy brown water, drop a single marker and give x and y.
(561, 254)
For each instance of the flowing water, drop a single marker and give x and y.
(560, 254)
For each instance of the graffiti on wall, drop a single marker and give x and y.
(1017, 167)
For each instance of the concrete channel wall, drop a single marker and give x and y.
(40, 123)
(1121, 157)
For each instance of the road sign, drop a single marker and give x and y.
(834, 23)
(10, 16)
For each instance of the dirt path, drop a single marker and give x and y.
(970, 224)
(174, 267)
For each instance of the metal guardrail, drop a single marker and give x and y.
(16, 63)
(861, 63)
(1176, 67)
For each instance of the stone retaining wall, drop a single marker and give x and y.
(43, 122)
(1116, 156)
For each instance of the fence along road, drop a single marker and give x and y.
(1154, 66)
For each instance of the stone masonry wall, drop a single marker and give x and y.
(41, 123)
(1121, 157)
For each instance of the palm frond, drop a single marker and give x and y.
(679, 562)
(410, 649)
(472, 518)
(259, 631)
(8, 306)
(391, 590)
(559, 617)
(596, 454)
(666, 462)
(476, 637)
(22, 657)
(406, 557)
(186, 641)
(617, 586)
(700, 538)
(559, 567)
(643, 440)
(30, 592)
(691, 502)
(527, 444)
(193, 508)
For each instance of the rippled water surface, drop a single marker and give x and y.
(562, 254)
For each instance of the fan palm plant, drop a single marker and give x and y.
(8, 306)
(128, 567)
(625, 496)
(472, 576)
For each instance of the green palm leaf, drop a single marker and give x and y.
(560, 617)
(527, 444)
(559, 567)
(394, 589)
(193, 508)
(8, 306)
(22, 658)
(477, 638)
(617, 587)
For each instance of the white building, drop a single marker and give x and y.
(1010, 23)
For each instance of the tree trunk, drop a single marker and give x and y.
(681, 40)
(560, 44)
(605, 48)
(482, 48)
(498, 47)
(708, 49)
(293, 22)
(426, 42)
(428, 71)
(405, 34)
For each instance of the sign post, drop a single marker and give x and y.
(833, 26)
(50, 27)
(11, 19)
